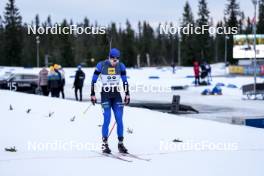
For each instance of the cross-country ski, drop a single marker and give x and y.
(134, 156)
(114, 156)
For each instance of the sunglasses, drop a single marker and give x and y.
(115, 59)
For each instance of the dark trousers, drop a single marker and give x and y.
(197, 80)
(76, 93)
(62, 91)
(55, 92)
(44, 90)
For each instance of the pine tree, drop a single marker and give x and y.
(29, 53)
(85, 43)
(128, 45)
(188, 49)
(159, 48)
(139, 39)
(203, 39)
(13, 35)
(171, 49)
(48, 40)
(37, 21)
(66, 57)
(232, 13)
(114, 35)
(260, 25)
(220, 45)
(241, 23)
(147, 41)
(249, 27)
(1, 40)
(187, 15)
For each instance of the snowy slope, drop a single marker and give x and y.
(17, 128)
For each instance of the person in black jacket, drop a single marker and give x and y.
(78, 82)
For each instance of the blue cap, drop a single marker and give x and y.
(114, 53)
(79, 66)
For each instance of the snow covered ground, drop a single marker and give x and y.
(221, 108)
(208, 147)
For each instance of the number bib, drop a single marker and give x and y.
(110, 76)
(110, 80)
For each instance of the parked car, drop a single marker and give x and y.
(4, 78)
(20, 82)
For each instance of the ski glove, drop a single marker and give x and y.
(93, 100)
(127, 99)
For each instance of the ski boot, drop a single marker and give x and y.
(105, 147)
(121, 147)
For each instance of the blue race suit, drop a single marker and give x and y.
(110, 95)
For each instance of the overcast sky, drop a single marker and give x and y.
(106, 11)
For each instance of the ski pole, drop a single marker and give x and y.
(84, 112)
(112, 129)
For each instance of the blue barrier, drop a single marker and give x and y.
(246, 70)
(154, 77)
(258, 123)
(232, 86)
(178, 87)
(220, 85)
(249, 70)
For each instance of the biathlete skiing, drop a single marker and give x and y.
(111, 71)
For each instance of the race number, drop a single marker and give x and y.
(12, 86)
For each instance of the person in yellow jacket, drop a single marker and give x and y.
(61, 73)
(54, 82)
